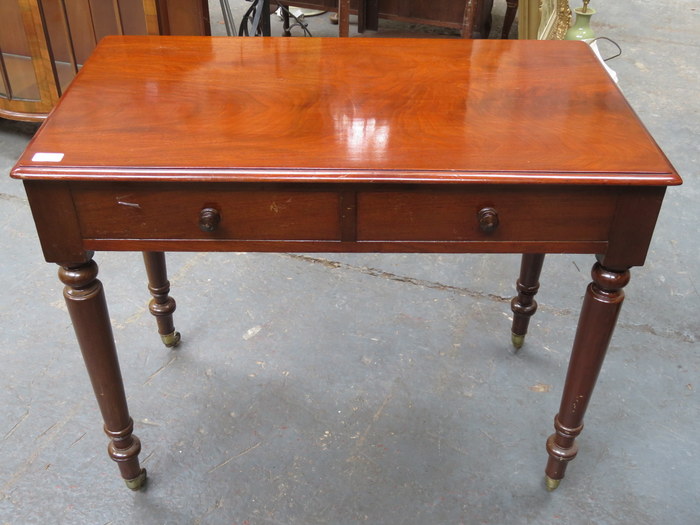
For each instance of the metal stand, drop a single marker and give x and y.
(256, 20)
(228, 18)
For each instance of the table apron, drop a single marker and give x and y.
(76, 217)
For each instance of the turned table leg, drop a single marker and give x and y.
(601, 306)
(87, 307)
(524, 304)
(162, 305)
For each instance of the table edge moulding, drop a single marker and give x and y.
(420, 146)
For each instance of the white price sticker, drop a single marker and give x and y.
(47, 157)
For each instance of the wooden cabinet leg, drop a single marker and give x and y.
(162, 305)
(87, 307)
(511, 10)
(343, 18)
(470, 16)
(524, 304)
(601, 306)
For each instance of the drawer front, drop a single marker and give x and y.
(537, 214)
(150, 211)
(352, 215)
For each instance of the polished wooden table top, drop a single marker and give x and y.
(265, 109)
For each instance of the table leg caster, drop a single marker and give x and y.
(162, 305)
(517, 341)
(171, 340)
(138, 482)
(524, 305)
(550, 483)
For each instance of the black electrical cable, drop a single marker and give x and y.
(619, 49)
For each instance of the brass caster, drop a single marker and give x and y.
(550, 483)
(138, 482)
(171, 340)
(517, 341)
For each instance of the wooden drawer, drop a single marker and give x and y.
(172, 211)
(446, 214)
(358, 214)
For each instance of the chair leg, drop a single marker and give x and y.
(524, 304)
(162, 305)
(511, 9)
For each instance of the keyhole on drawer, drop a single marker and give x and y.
(209, 219)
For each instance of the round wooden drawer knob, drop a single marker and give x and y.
(209, 219)
(488, 220)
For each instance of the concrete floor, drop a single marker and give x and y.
(339, 389)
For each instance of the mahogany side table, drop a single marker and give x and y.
(452, 146)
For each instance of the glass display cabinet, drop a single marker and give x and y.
(43, 43)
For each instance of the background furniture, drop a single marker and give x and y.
(509, 18)
(543, 19)
(43, 43)
(471, 17)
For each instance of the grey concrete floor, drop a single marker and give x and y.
(339, 389)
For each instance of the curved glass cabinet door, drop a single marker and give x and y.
(43, 43)
(27, 83)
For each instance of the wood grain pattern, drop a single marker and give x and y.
(497, 112)
(450, 214)
(56, 221)
(418, 213)
(132, 211)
